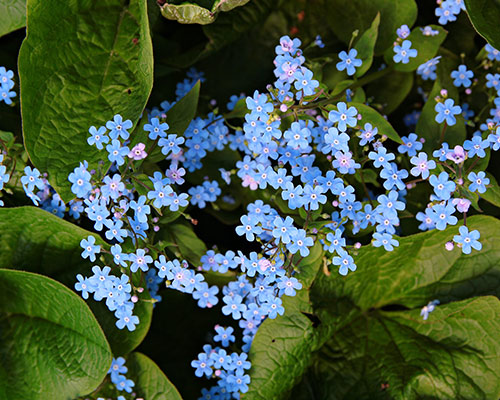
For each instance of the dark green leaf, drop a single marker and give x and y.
(346, 16)
(13, 15)
(454, 354)
(484, 15)
(190, 247)
(391, 90)
(366, 46)
(150, 382)
(492, 194)
(228, 5)
(182, 113)
(373, 117)
(426, 46)
(79, 69)
(281, 350)
(427, 127)
(51, 345)
(35, 240)
(308, 267)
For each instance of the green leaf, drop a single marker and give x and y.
(360, 344)
(281, 350)
(191, 248)
(453, 355)
(228, 5)
(484, 15)
(308, 267)
(346, 16)
(34, 240)
(81, 63)
(373, 117)
(13, 14)
(426, 46)
(430, 271)
(187, 13)
(366, 46)
(427, 127)
(182, 113)
(492, 194)
(391, 90)
(51, 345)
(150, 382)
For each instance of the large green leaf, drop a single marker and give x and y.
(426, 46)
(34, 240)
(391, 90)
(397, 355)
(281, 350)
(150, 382)
(346, 16)
(484, 15)
(373, 117)
(13, 15)
(81, 63)
(427, 127)
(351, 313)
(366, 46)
(492, 194)
(50, 343)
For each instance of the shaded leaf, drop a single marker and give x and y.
(34, 240)
(181, 114)
(78, 69)
(150, 382)
(346, 16)
(366, 46)
(391, 90)
(484, 15)
(373, 117)
(51, 345)
(492, 194)
(13, 15)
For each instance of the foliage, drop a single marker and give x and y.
(304, 206)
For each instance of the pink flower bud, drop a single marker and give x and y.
(449, 246)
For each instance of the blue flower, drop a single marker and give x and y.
(428, 309)
(468, 240)
(462, 77)
(389, 204)
(115, 230)
(443, 187)
(233, 306)
(300, 242)
(224, 335)
(297, 136)
(171, 144)
(248, 228)
(119, 258)
(349, 61)
(289, 285)
(305, 82)
(6, 94)
(422, 165)
(97, 137)
(393, 176)
(90, 249)
(476, 146)
(283, 229)
(118, 128)
(411, 145)
(367, 134)
(404, 52)
(493, 54)
(156, 129)
(117, 152)
(343, 116)
(479, 182)
(313, 196)
(80, 178)
(446, 112)
(386, 240)
(381, 158)
(203, 365)
(442, 215)
(139, 260)
(345, 262)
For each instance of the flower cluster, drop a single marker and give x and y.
(6, 85)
